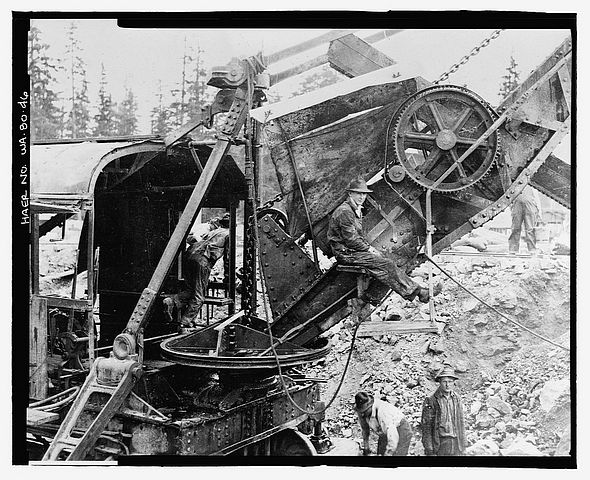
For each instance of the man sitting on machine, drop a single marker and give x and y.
(349, 246)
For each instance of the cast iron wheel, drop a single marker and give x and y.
(277, 215)
(291, 443)
(433, 129)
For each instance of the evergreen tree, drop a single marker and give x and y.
(46, 115)
(196, 79)
(127, 115)
(159, 114)
(105, 120)
(319, 78)
(78, 119)
(510, 80)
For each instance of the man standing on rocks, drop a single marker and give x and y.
(525, 210)
(349, 246)
(387, 421)
(443, 429)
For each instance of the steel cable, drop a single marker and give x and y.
(494, 309)
(272, 341)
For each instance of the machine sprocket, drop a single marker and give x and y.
(434, 127)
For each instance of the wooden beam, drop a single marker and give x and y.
(352, 57)
(370, 329)
(35, 253)
(38, 378)
(304, 46)
(39, 417)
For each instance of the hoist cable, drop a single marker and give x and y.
(271, 337)
(495, 309)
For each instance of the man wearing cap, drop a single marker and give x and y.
(345, 236)
(387, 421)
(200, 257)
(443, 429)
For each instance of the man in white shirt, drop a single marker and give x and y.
(387, 421)
(525, 211)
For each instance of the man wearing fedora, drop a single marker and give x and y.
(443, 429)
(200, 257)
(349, 246)
(387, 421)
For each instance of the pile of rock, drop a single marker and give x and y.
(514, 386)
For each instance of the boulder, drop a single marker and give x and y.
(470, 304)
(494, 413)
(461, 366)
(475, 407)
(483, 419)
(436, 346)
(396, 355)
(551, 391)
(483, 447)
(521, 448)
(501, 426)
(500, 405)
(565, 444)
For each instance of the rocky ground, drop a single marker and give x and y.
(514, 386)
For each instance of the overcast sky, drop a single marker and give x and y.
(139, 58)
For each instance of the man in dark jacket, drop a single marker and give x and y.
(349, 246)
(443, 428)
(200, 257)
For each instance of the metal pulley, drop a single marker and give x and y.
(396, 173)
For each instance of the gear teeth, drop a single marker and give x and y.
(422, 93)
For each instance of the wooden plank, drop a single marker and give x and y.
(310, 118)
(307, 45)
(38, 417)
(38, 379)
(368, 329)
(352, 56)
(219, 301)
(66, 302)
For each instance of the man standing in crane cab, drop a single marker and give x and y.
(387, 421)
(443, 428)
(525, 210)
(199, 258)
(345, 235)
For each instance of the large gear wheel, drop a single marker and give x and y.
(434, 127)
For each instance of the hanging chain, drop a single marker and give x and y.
(269, 203)
(467, 57)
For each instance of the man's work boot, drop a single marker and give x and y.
(424, 294)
